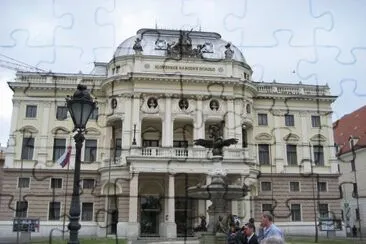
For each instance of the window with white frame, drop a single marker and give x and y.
(88, 183)
(266, 186)
(322, 186)
(315, 121)
(262, 119)
(289, 120)
(263, 154)
(266, 207)
(291, 151)
(90, 154)
(54, 211)
(61, 113)
(87, 211)
(323, 210)
(59, 147)
(31, 111)
(295, 212)
(294, 186)
(21, 210)
(56, 183)
(318, 155)
(27, 148)
(23, 182)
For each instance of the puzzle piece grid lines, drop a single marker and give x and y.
(223, 98)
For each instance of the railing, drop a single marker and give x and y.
(291, 90)
(190, 152)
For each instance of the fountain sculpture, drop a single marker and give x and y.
(217, 191)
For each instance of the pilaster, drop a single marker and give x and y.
(199, 124)
(304, 135)
(133, 227)
(136, 118)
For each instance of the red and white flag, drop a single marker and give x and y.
(65, 158)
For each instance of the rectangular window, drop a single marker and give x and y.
(295, 212)
(266, 186)
(318, 155)
(88, 183)
(87, 211)
(291, 154)
(117, 69)
(322, 186)
(54, 210)
(263, 153)
(357, 213)
(266, 207)
(21, 209)
(90, 151)
(295, 186)
(118, 147)
(94, 114)
(315, 120)
(244, 137)
(27, 148)
(150, 143)
(183, 144)
(61, 113)
(323, 210)
(262, 119)
(23, 182)
(31, 111)
(289, 120)
(353, 165)
(56, 183)
(59, 147)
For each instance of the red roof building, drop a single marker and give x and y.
(352, 125)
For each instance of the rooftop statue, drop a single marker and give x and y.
(217, 143)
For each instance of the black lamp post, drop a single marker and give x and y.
(80, 106)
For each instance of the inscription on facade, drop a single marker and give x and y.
(184, 68)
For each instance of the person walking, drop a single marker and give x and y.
(251, 237)
(268, 229)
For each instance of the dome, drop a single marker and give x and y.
(158, 42)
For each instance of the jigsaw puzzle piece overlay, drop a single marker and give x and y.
(282, 59)
(347, 32)
(345, 79)
(100, 42)
(41, 28)
(290, 16)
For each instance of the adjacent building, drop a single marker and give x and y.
(161, 90)
(350, 139)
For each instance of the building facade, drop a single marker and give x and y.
(350, 141)
(162, 90)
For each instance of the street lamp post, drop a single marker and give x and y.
(80, 106)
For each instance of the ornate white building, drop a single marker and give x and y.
(161, 90)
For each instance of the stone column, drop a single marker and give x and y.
(12, 142)
(199, 124)
(133, 227)
(230, 124)
(167, 129)
(171, 227)
(136, 119)
(208, 202)
(238, 125)
(126, 129)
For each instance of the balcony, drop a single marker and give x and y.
(187, 153)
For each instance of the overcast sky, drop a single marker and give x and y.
(322, 41)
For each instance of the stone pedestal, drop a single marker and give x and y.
(133, 230)
(168, 230)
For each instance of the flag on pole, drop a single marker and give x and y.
(65, 158)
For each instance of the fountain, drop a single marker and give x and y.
(217, 191)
